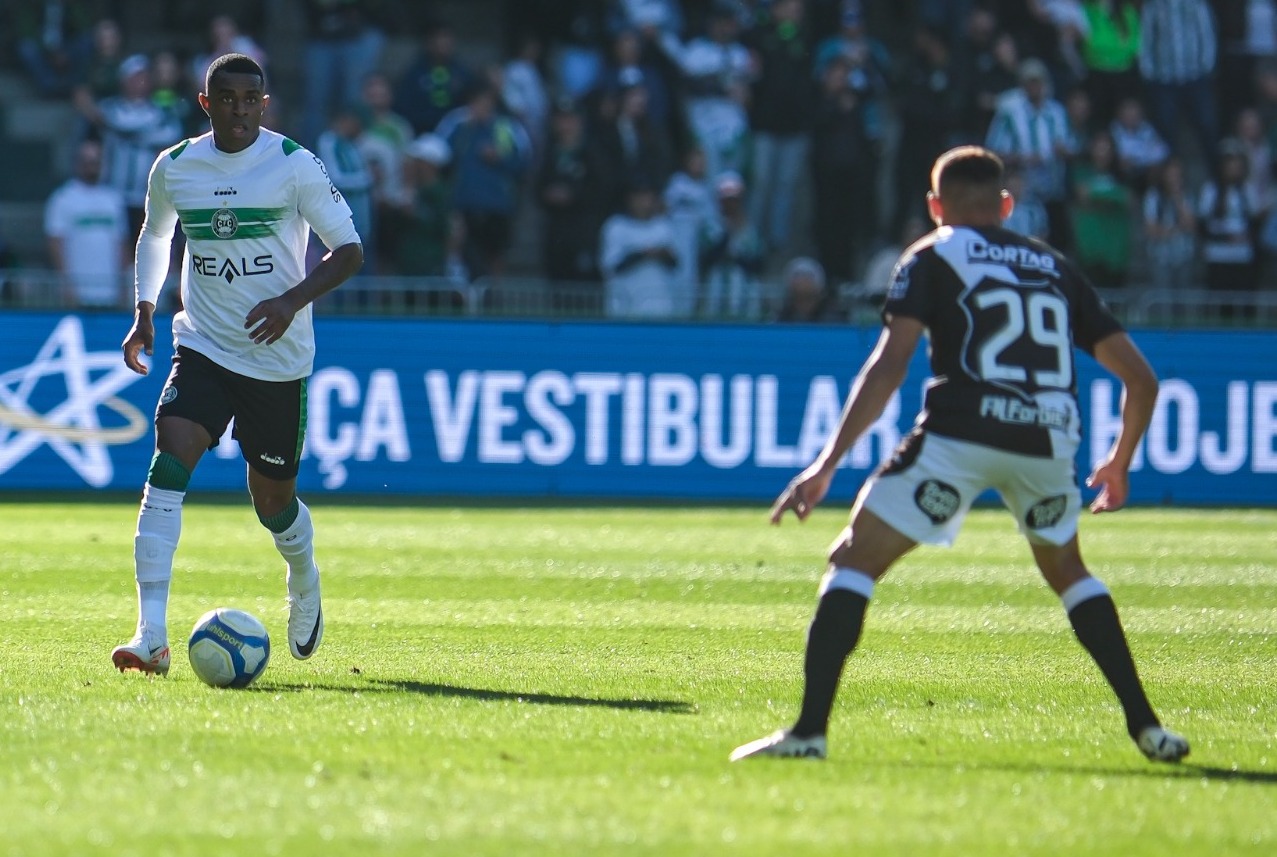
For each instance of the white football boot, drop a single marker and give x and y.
(782, 744)
(147, 652)
(305, 623)
(1162, 745)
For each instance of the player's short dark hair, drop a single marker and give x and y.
(967, 173)
(233, 64)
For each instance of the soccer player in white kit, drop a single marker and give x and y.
(1003, 314)
(246, 198)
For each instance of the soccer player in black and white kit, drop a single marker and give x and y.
(247, 199)
(1003, 314)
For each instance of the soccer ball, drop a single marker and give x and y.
(229, 648)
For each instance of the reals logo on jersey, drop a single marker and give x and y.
(225, 224)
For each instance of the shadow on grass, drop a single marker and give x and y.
(377, 685)
(1181, 771)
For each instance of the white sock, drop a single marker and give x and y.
(297, 546)
(159, 524)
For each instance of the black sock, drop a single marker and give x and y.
(1098, 628)
(833, 634)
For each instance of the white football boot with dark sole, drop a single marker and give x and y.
(305, 624)
(1162, 745)
(782, 745)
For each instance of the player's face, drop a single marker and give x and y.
(235, 104)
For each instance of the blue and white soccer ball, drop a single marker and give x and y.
(229, 648)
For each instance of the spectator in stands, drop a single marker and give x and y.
(133, 130)
(988, 66)
(426, 225)
(717, 69)
(10, 288)
(1139, 147)
(781, 103)
(633, 144)
(876, 277)
(490, 154)
(435, 84)
(382, 144)
(524, 91)
(343, 46)
(1030, 131)
(654, 16)
(635, 56)
(1077, 112)
(175, 94)
(805, 300)
(732, 256)
(54, 41)
(100, 77)
(844, 164)
(1249, 130)
(87, 230)
(1073, 27)
(1227, 218)
(1111, 51)
(691, 206)
(579, 67)
(225, 37)
(338, 148)
(638, 258)
(928, 105)
(570, 188)
(1247, 38)
(1170, 228)
(869, 65)
(1102, 208)
(1028, 215)
(1177, 58)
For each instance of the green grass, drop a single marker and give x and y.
(569, 681)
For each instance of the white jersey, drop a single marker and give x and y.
(91, 223)
(246, 216)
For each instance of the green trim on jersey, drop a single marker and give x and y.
(208, 224)
(179, 149)
(301, 423)
(290, 147)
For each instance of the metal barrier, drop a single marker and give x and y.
(539, 298)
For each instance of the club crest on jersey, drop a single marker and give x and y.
(225, 224)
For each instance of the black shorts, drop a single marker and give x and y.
(270, 416)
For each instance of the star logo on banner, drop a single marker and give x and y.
(72, 427)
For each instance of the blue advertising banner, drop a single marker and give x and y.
(544, 409)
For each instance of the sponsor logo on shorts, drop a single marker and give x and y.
(169, 394)
(937, 500)
(272, 459)
(1046, 513)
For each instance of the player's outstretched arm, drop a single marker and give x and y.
(270, 319)
(882, 375)
(1120, 355)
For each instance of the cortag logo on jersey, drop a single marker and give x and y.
(1016, 255)
(225, 224)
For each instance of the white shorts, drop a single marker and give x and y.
(931, 481)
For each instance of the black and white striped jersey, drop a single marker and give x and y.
(1003, 313)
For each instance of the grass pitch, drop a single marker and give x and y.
(569, 681)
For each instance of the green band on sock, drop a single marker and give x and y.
(168, 473)
(282, 521)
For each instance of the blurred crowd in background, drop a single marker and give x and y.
(672, 156)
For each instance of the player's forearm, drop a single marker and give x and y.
(337, 267)
(1137, 412)
(869, 396)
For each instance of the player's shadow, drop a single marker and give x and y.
(1180, 771)
(668, 706)
(378, 685)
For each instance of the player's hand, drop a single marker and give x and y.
(1114, 483)
(270, 320)
(141, 338)
(803, 493)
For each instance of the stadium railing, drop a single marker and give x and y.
(533, 297)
